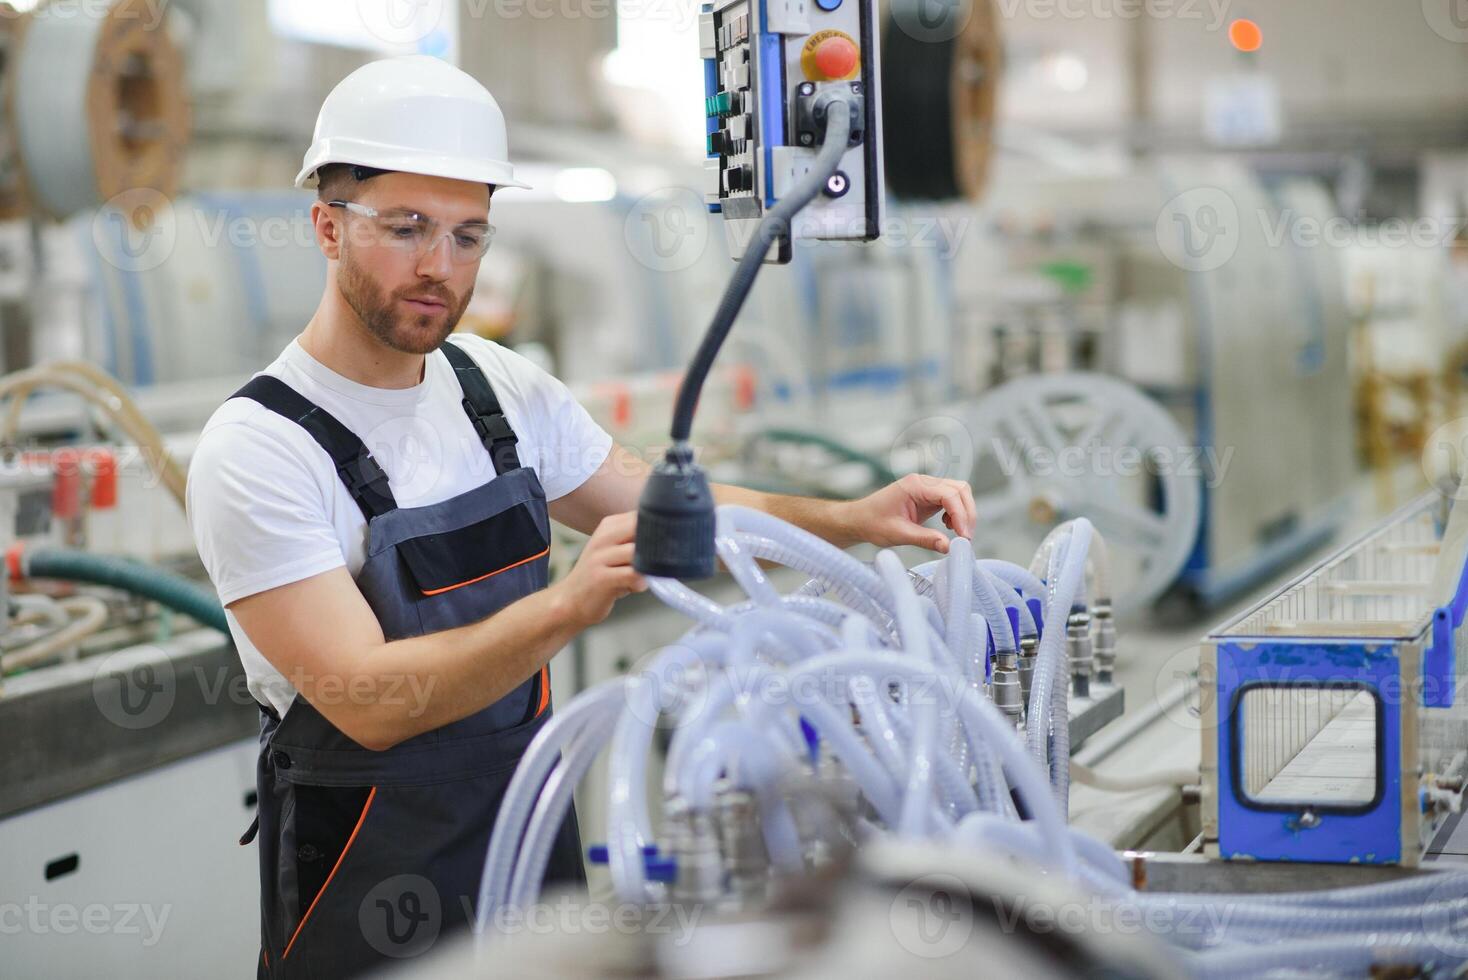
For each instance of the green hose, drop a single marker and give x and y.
(882, 474)
(173, 591)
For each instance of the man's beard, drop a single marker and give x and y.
(411, 333)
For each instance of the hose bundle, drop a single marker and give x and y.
(880, 673)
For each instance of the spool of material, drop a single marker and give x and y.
(99, 104)
(14, 191)
(941, 63)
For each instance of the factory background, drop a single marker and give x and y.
(1195, 271)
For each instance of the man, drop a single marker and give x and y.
(391, 610)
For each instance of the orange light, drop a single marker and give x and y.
(1246, 36)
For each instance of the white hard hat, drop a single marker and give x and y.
(416, 114)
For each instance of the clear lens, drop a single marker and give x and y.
(416, 233)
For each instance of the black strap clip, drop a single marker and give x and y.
(492, 429)
(364, 478)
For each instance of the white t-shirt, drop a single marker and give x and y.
(267, 507)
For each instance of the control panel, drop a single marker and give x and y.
(765, 63)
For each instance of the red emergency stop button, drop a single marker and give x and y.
(830, 56)
(835, 57)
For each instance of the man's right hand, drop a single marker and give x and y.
(603, 573)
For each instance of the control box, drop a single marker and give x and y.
(765, 61)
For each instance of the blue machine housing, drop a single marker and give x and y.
(1362, 622)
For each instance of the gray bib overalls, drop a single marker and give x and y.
(368, 857)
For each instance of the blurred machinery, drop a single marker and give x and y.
(118, 685)
(1408, 352)
(1048, 447)
(1207, 298)
(119, 688)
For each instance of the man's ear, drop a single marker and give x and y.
(328, 229)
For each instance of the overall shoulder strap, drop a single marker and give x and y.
(483, 409)
(364, 479)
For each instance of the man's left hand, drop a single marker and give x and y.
(895, 514)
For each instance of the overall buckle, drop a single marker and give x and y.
(363, 474)
(491, 428)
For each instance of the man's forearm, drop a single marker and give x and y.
(406, 687)
(823, 518)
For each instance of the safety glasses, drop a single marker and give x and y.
(416, 234)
